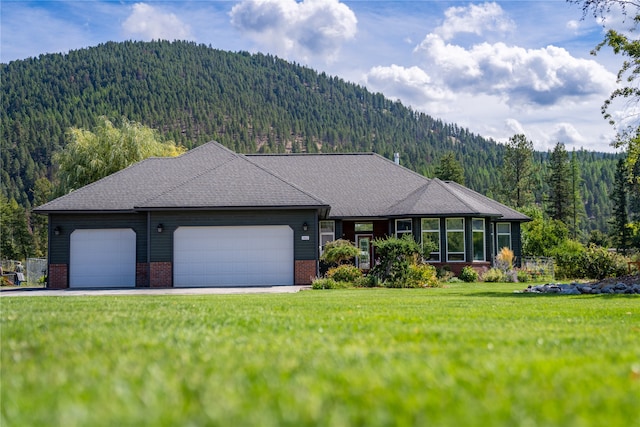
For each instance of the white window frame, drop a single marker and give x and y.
(484, 241)
(498, 234)
(401, 233)
(323, 234)
(464, 240)
(435, 255)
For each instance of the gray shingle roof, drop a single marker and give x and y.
(361, 185)
(209, 176)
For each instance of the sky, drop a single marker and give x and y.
(497, 68)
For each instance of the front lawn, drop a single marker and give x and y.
(465, 355)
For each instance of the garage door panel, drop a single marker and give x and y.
(102, 258)
(233, 256)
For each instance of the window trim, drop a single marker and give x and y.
(400, 234)
(464, 240)
(484, 240)
(326, 233)
(498, 234)
(436, 256)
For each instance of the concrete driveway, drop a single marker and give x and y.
(39, 292)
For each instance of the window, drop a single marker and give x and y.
(403, 227)
(431, 231)
(503, 235)
(364, 227)
(478, 239)
(327, 233)
(455, 239)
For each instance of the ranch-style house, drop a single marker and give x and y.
(212, 217)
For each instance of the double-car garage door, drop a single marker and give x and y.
(233, 256)
(202, 256)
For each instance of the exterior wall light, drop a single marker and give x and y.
(160, 228)
(57, 230)
(305, 226)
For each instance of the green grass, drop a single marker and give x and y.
(465, 355)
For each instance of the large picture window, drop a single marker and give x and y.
(431, 231)
(403, 227)
(503, 235)
(478, 239)
(327, 233)
(455, 239)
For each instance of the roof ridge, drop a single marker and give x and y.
(94, 183)
(290, 184)
(456, 194)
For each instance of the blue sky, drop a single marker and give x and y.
(497, 68)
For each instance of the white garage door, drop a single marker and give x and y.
(103, 258)
(233, 256)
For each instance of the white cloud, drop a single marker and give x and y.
(568, 134)
(151, 23)
(522, 77)
(311, 27)
(474, 19)
(411, 85)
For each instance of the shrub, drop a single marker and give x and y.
(326, 283)
(493, 275)
(504, 260)
(569, 258)
(444, 273)
(422, 276)
(365, 282)
(394, 258)
(468, 274)
(344, 273)
(599, 263)
(523, 276)
(339, 251)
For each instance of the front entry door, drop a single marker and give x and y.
(363, 242)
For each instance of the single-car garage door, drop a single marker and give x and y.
(103, 258)
(233, 256)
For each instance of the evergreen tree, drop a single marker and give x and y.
(578, 213)
(15, 239)
(559, 181)
(619, 197)
(450, 169)
(517, 172)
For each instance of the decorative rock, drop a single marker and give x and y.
(632, 286)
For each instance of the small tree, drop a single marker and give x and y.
(450, 169)
(339, 251)
(394, 258)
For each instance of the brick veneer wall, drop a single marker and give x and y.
(305, 271)
(58, 276)
(142, 274)
(161, 275)
(456, 267)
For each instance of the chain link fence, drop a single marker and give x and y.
(35, 271)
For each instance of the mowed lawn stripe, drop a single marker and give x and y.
(464, 355)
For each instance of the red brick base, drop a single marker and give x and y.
(161, 275)
(142, 274)
(456, 267)
(58, 276)
(305, 271)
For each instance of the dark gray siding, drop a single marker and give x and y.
(162, 243)
(59, 246)
(516, 241)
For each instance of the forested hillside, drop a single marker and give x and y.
(249, 102)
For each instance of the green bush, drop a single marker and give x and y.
(523, 276)
(344, 273)
(326, 283)
(493, 275)
(395, 256)
(468, 274)
(339, 251)
(365, 282)
(422, 276)
(569, 259)
(599, 263)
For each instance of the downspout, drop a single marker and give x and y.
(148, 249)
(48, 251)
(317, 245)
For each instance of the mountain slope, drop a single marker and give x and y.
(193, 94)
